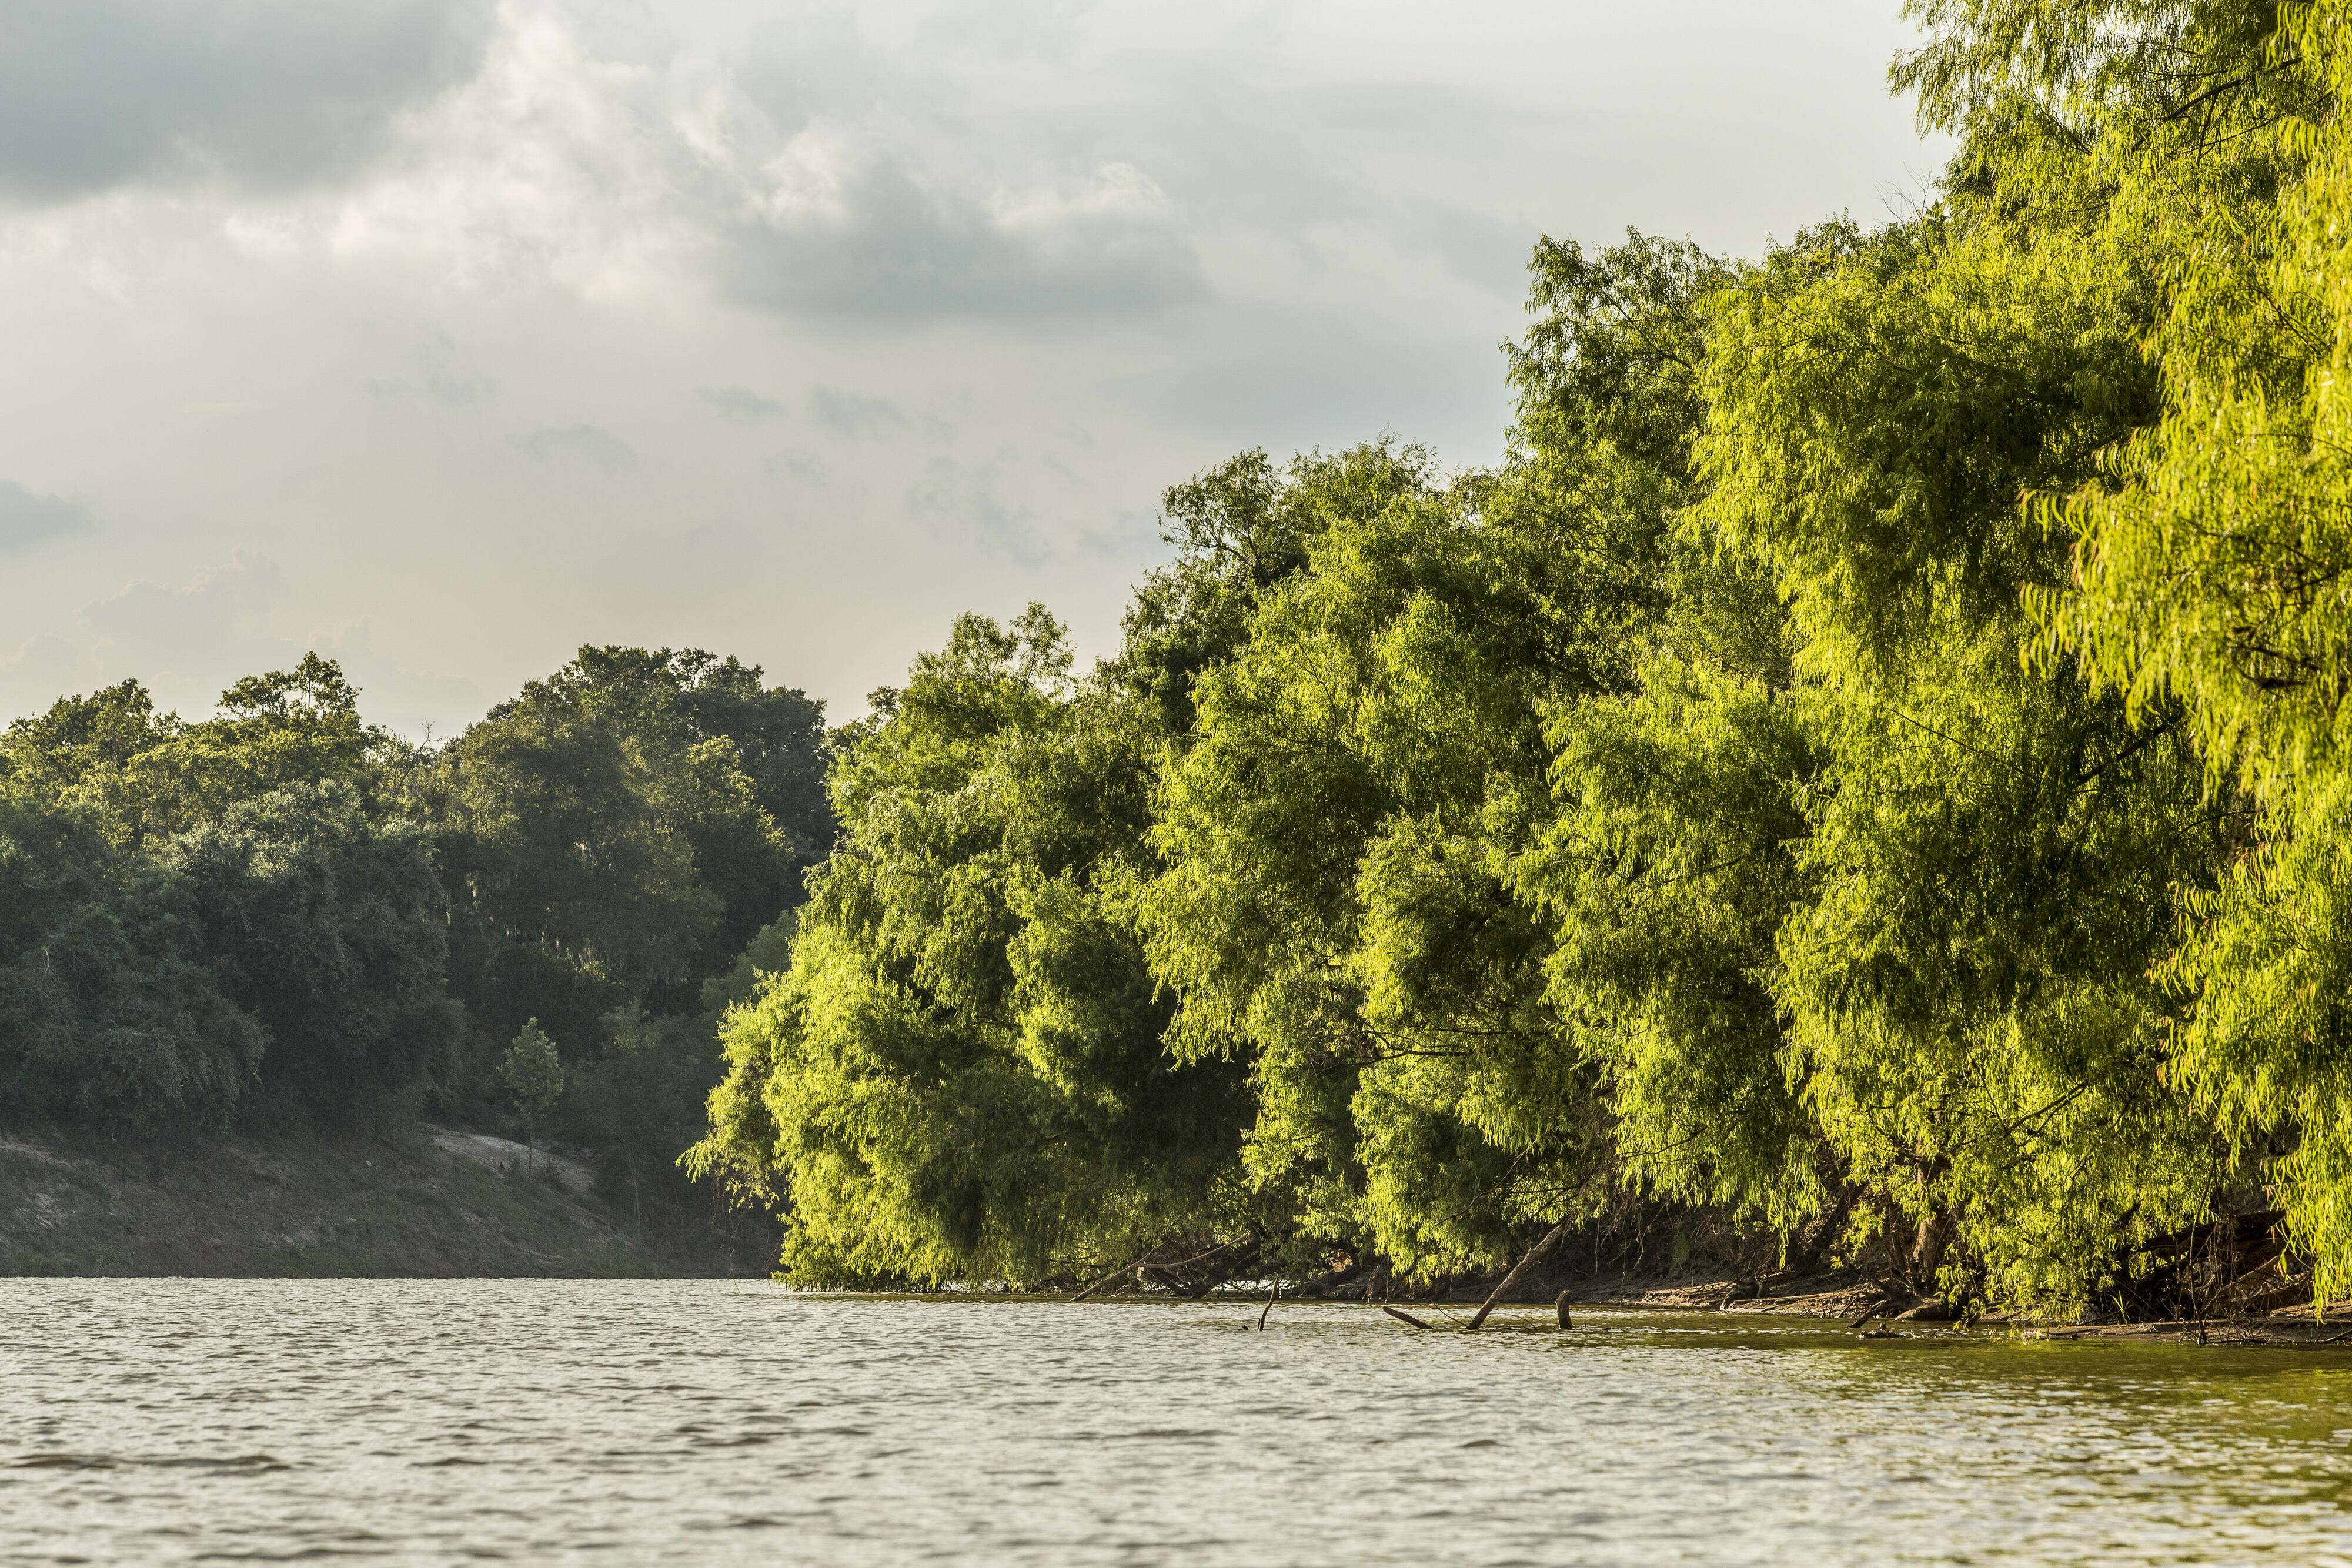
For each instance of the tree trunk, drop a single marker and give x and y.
(1927, 1246)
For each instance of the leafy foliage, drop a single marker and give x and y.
(1870, 760)
(254, 916)
(532, 1072)
(959, 1075)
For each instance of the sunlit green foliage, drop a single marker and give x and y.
(2213, 583)
(1871, 756)
(960, 1075)
(146, 776)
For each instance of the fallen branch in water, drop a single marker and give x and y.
(1119, 1272)
(1872, 1310)
(1511, 1278)
(1271, 1297)
(1328, 1281)
(1405, 1317)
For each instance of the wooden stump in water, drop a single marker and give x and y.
(1560, 1306)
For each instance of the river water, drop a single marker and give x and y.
(158, 1421)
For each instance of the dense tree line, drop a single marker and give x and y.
(1872, 762)
(283, 916)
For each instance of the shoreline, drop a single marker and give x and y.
(1835, 1309)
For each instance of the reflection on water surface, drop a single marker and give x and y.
(438, 1421)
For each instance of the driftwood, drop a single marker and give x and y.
(1559, 1306)
(1271, 1297)
(1403, 1317)
(1174, 1274)
(2199, 1272)
(1321, 1284)
(1511, 1278)
(1120, 1272)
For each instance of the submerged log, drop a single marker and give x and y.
(1511, 1278)
(1559, 1306)
(1403, 1317)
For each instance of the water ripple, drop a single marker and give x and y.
(174, 1421)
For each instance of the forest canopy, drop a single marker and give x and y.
(283, 916)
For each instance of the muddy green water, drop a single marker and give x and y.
(157, 1421)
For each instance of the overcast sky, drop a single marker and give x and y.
(446, 335)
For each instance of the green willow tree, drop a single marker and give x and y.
(959, 1075)
(2211, 582)
(1346, 904)
(1994, 853)
(1867, 764)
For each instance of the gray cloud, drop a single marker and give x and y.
(890, 178)
(1328, 378)
(1131, 538)
(273, 93)
(437, 375)
(740, 403)
(853, 415)
(949, 492)
(807, 469)
(589, 444)
(901, 244)
(1111, 242)
(26, 518)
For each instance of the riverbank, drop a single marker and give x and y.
(412, 1201)
(1839, 1299)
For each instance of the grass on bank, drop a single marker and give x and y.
(389, 1204)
